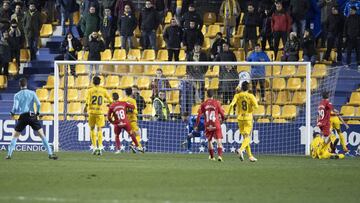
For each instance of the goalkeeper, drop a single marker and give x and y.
(191, 121)
(316, 148)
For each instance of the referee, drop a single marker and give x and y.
(24, 106)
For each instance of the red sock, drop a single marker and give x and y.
(211, 152)
(134, 139)
(219, 151)
(117, 142)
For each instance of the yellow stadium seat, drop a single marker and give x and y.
(50, 82)
(82, 94)
(147, 95)
(81, 69)
(280, 120)
(112, 81)
(194, 109)
(176, 109)
(162, 55)
(347, 111)
(355, 98)
(168, 70)
(107, 68)
(48, 118)
(214, 84)
(209, 18)
(70, 81)
(263, 120)
(143, 82)
(203, 30)
(148, 110)
(134, 55)
(235, 42)
(106, 55)
(160, 42)
(72, 95)
(212, 30)
(274, 111)
(243, 69)
(137, 32)
(3, 81)
(240, 55)
(213, 73)
(288, 112)
(174, 83)
(270, 97)
(151, 70)
(319, 71)
(353, 122)
(126, 81)
(82, 81)
(46, 108)
(180, 71)
(313, 85)
(75, 108)
(239, 31)
(272, 70)
(168, 17)
(282, 98)
(159, 30)
(182, 55)
(60, 95)
(299, 98)
(60, 107)
(24, 55)
(301, 71)
(293, 84)
(279, 84)
(174, 97)
(148, 55)
(42, 94)
(117, 42)
(46, 30)
(259, 111)
(13, 69)
(83, 55)
(122, 69)
(288, 71)
(136, 70)
(78, 118)
(206, 45)
(271, 55)
(119, 55)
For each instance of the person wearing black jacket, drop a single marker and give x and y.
(334, 27)
(66, 9)
(69, 47)
(161, 6)
(95, 46)
(191, 37)
(149, 22)
(126, 26)
(298, 10)
(16, 40)
(173, 37)
(251, 21)
(140, 101)
(352, 33)
(309, 48)
(216, 47)
(108, 29)
(32, 25)
(5, 55)
(191, 16)
(265, 33)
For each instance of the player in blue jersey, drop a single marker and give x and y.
(191, 121)
(24, 102)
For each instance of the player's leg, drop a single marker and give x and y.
(117, 132)
(135, 128)
(189, 143)
(100, 123)
(92, 121)
(21, 123)
(342, 140)
(41, 134)
(218, 137)
(210, 146)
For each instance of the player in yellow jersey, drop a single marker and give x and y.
(245, 105)
(316, 148)
(335, 123)
(96, 98)
(132, 116)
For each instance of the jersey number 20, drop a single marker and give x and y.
(96, 100)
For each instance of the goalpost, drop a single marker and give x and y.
(272, 134)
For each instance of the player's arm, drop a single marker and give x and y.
(110, 114)
(254, 102)
(87, 101)
(200, 113)
(232, 104)
(37, 103)
(15, 106)
(107, 97)
(221, 112)
(130, 106)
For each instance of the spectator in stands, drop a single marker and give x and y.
(69, 47)
(326, 11)
(298, 10)
(32, 25)
(173, 37)
(5, 54)
(160, 83)
(126, 25)
(280, 25)
(108, 29)
(291, 48)
(191, 37)
(187, 94)
(14, 3)
(86, 7)
(161, 6)
(265, 33)
(191, 16)
(18, 15)
(228, 75)
(108, 4)
(334, 27)
(258, 72)
(91, 23)
(216, 47)
(349, 4)
(251, 21)
(95, 46)
(229, 11)
(67, 8)
(160, 107)
(5, 11)
(352, 33)
(120, 7)
(16, 40)
(149, 22)
(309, 47)
(140, 101)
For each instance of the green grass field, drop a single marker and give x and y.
(81, 177)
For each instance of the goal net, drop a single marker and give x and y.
(282, 123)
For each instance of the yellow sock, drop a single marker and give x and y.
(342, 140)
(248, 150)
(245, 142)
(138, 138)
(93, 138)
(100, 138)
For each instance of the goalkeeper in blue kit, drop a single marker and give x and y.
(192, 133)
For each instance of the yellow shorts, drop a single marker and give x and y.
(96, 120)
(335, 123)
(245, 127)
(134, 126)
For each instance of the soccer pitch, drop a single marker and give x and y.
(82, 177)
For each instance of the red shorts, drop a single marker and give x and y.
(118, 128)
(325, 129)
(216, 133)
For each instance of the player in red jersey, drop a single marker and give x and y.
(117, 116)
(212, 109)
